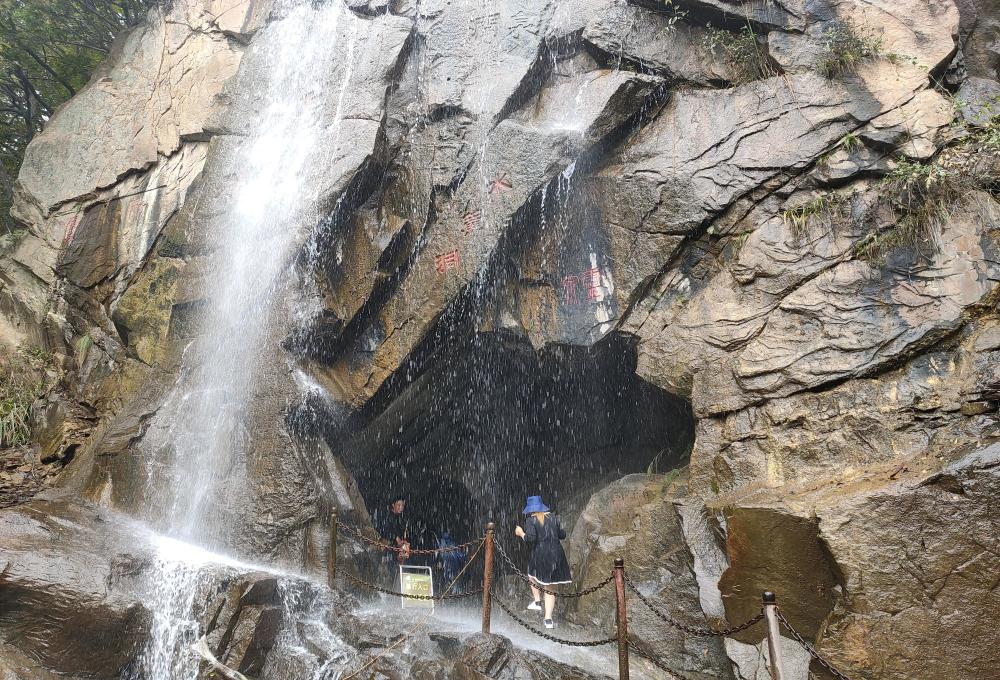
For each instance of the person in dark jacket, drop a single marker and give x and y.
(547, 565)
(394, 527)
(452, 560)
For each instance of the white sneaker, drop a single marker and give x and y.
(550, 624)
(535, 606)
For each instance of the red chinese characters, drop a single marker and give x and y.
(471, 221)
(569, 284)
(446, 261)
(134, 209)
(500, 184)
(70, 230)
(590, 280)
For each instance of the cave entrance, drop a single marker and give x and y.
(491, 420)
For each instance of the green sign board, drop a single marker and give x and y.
(416, 581)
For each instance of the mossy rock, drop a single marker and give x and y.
(142, 315)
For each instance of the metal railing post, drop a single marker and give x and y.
(331, 557)
(487, 575)
(773, 636)
(621, 619)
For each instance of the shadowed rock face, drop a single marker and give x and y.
(463, 447)
(547, 195)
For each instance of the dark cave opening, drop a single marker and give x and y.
(491, 420)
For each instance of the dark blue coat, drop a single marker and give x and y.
(547, 563)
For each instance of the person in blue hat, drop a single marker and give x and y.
(547, 565)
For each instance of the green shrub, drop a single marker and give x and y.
(742, 51)
(23, 378)
(822, 207)
(845, 50)
(921, 196)
(850, 142)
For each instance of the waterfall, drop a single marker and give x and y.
(269, 207)
(283, 116)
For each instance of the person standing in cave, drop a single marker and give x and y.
(395, 529)
(547, 565)
(451, 559)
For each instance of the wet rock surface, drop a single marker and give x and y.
(70, 588)
(638, 517)
(576, 176)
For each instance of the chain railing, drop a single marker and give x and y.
(770, 614)
(809, 648)
(691, 630)
(552, 638)
(356, 533)
(388, 591)
(534, 584)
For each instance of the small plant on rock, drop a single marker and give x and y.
(822, 208)
(850, 142)
(742, 50)
(673, 13)
(23, 379)
(922, 196)
(846, 49)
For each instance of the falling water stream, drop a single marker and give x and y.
(200, 436)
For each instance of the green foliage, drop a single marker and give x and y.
(821, 207)
(671, 476)
(673, 13)
(845, 50)
(23, 378)
(917, 198)
(923, 196)
(875, 247)
(743, 52)
(850, 142)
(48, 49)
(985, 130)
(910, 174)
(735, 244)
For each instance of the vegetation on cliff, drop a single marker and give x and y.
(24, 376)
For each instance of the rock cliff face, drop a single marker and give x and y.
(781, 214)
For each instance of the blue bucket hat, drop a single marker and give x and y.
(535, 504)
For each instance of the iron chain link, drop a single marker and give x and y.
(691, 630)
(527, 579)
(413, 551)
(808, 647)
(387, 591)
(672, 673)
(551, 638)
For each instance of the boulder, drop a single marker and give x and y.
(898, 556)
(71, 588)
(982, 58)
(655, 42)
(639, 519)
(88, 593)
(977, 100)
(159, 87)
